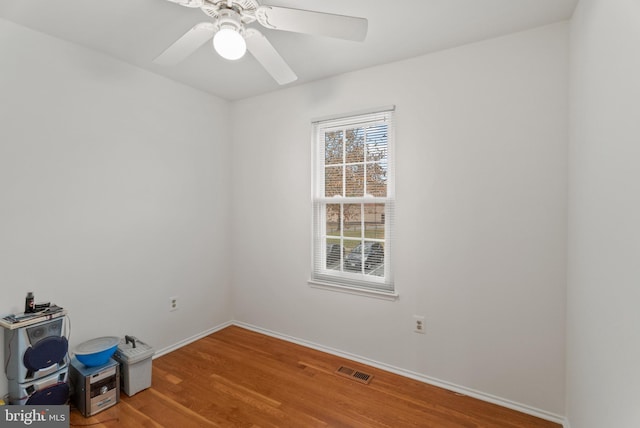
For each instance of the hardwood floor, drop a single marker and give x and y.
(239, 378)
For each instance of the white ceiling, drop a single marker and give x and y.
(136, 31)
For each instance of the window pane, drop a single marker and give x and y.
(374, 221)
(333, 147)
(377, 143)
(352, 221)
(354, 180)
(354, 148)
(333, 181)
(373, 258)
(352, 258)
(333, 220)
(377, 179)
(335, 254)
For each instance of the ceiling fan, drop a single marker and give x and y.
(232, 37)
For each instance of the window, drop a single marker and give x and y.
(353, 201)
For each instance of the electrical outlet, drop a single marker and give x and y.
(173, 303)
(418, 324)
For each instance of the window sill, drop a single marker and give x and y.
(391, 296)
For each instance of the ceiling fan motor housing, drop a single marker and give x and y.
(246, 9)
(229, 18)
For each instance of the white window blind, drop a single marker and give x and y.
(353, 201)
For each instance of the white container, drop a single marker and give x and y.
(134, 357)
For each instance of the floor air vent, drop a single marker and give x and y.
(354, 374)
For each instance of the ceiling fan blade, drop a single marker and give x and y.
(267, 55)
(309, 22)
(187, 44)
(189, 3)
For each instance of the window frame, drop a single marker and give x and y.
(342, 280)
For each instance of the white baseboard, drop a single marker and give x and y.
(542, 414)
(191, 339)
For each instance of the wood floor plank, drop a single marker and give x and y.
(240, 378)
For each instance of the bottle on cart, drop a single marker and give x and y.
(29, 303)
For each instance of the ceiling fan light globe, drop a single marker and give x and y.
(229, 44)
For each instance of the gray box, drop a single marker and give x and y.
(95, 388)
(134, 357)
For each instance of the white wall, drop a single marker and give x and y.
(603, 357)
(481, 216)
(113, 193)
